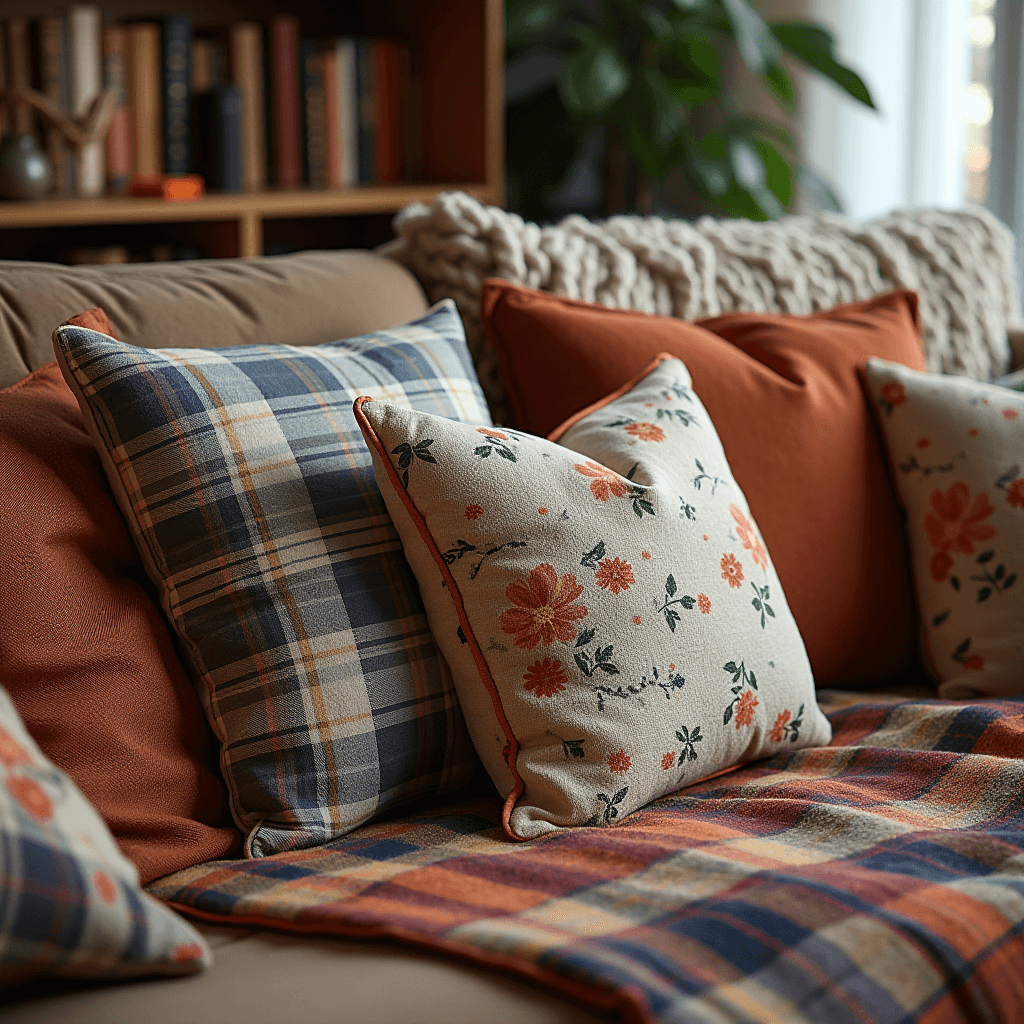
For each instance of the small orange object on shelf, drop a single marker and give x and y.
(174, 188)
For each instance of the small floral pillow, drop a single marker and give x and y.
(613, 622)
(71, 902)
(956, 455)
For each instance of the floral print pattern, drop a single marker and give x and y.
(544, 608)
(965, 530)
(611, 611)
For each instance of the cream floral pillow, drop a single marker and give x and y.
(613, 622)
(956, 456)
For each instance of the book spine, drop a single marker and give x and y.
(391, 75)
(286, 115)
(176, 40)
(348, 111)
(144, 97)
(247, 74)
(84, 47)
(4, 116)
(119, 143)
(54, 85)
(366, 85)
(316, 114)
(201, 72)
(19, 64)
(218, 114)
(332, 119)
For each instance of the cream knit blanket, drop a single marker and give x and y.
(959, 262)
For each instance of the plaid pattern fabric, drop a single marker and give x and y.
(875, 880)
(70, 902)
(250, 494)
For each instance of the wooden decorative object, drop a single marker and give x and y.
(78, 131)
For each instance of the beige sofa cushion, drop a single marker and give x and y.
(309, 298)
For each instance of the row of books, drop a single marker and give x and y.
(252, 107)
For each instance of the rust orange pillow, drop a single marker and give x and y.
(84, 651)
(785, 398)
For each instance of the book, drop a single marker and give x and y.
(392, 74)
(119, 142)
(19, 70)
(176, 44)
(332, 120)
(344, 112)
(4, 115)
(285, 112)
(143, 75)
(55, 85)
(209, 63)
(86, 62)
(315, 120)
(217, 135)
(366, 110)
(246, 46)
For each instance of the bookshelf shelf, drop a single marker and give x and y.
(459, 48)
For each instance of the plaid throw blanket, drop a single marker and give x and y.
(880, 879)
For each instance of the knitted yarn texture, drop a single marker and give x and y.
(960, 262)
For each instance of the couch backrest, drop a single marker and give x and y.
(303, 299)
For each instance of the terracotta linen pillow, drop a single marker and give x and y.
(956, 453)
(71, 902)
(249, 493)
(611, 616)
(85, 652)
(784, 396)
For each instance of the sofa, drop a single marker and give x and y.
(288, 963)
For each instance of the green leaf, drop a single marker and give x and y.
(768, 609)
(604, 666)
(756, 603)
(1000, 571)
(525, 20)
(729, 666)
(777, 79)
(483, 451)
(752, 679)
(758, 47)
(504, 453)
(962, 648)
(670, 585)
(592, 80)
(727, 717)
(815, 46)
(778, 173)
(985, 557)
(984, 594)
(686, 601)
(954, 582)
(585, 637)
(653, 122)
(818, 190)
(1010, 580)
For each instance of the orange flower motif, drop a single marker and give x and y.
(668, 759)
(187, 952)
(923, 442)
(619, 762)
(637, 620)
(893, 393)
(745, 708)
(645, 432)
(1015, 493)
(955, 525)
(545, 610)
(492, 433)
(614, 574)
(545, 678)
(30, 795)
(779, 728)
(732, 571)
(975, 662)
(645, 555)
(474, 511)
(1010, 414)
(973, 431)
(11, 751)
(604, 483)
(704, 603)
(749, 538)
(105, 887)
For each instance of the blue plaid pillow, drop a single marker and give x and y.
(70, 902)
(250, 493)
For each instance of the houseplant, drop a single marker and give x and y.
(646, 87)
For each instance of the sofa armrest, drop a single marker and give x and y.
(1015, 336)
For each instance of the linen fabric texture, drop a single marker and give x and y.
(612, 619)
(787, 403)
(70, 902)
(956, 454)
(249, 492)
(85, 653)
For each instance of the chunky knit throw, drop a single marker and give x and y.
(960, 262)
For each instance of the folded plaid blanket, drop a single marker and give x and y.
(879, 879)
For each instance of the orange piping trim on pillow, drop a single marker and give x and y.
(460, 611)
(617, 393)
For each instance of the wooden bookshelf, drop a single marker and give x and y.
(460, 49)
